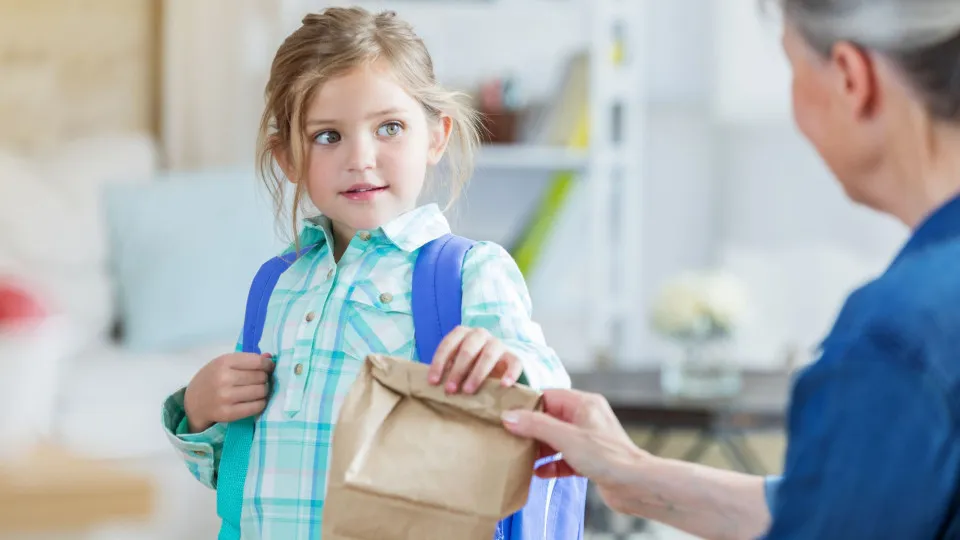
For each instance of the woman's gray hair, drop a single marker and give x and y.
(922, 37)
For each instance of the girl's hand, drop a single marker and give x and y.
(230, 387)
(469, 356)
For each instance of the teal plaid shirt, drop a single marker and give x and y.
(322, 320)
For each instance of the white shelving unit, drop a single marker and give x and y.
(615, 170)
(611, 167)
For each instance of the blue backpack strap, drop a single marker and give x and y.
(555, 507)
(437, 292)
(235, 458)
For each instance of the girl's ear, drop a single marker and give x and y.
(282, 156)
(439, 138)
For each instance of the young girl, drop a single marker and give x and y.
(355, 120)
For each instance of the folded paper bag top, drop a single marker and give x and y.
(410, 461)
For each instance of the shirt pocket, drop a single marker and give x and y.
(379, 319)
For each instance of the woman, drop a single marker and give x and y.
(874, 425)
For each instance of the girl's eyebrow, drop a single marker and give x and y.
(384, 112)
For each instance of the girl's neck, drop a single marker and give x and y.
(341, 239)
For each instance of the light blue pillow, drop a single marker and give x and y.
(184, 249)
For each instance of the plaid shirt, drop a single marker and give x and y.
(323, 319)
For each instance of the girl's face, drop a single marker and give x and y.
(369, 146)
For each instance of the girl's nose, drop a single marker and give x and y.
(362, 154)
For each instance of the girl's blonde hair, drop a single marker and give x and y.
(332, 43)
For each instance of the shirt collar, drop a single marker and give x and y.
(941, 225)
(408, 231)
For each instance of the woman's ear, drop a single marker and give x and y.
(439, 138)
(857, 82)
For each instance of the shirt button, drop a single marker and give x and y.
(386, 297)
(199, 453)
(364, 235)
(311, 316)
(298, 369)
(330, 274)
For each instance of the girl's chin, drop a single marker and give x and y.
(360, 217)
(369, 222)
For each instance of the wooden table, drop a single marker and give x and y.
(638, 401)
(53, 491)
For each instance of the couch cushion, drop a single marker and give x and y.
(62, 254)
(184, 251)
(111, 398)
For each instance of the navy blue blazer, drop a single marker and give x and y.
(873, 428)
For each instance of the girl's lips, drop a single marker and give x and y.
(363, 192)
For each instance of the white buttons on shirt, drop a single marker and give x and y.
(364, 235)
(311, 316)
(298, 369)
(386, 297)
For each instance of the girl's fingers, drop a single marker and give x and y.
(465, 357)
(250, 392)
(490, 356)
(511, 369)
(445, 353)
(246, 409)
(246, 377)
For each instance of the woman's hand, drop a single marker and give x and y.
(230, 387)
(468, 356)
(583, 428)
(706, 502)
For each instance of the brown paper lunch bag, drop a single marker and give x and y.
(411, 462)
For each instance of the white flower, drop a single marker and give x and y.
(699, 306)
(726, 299)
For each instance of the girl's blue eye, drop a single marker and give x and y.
(390, 129)
(327, 137)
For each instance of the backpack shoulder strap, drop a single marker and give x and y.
(235, 458)
(257, 299)
(437, 292)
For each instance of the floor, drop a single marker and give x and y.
(187, 511)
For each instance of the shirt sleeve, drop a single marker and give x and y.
(495, 297)
(770, 486)
(871, 450)
(199, 451)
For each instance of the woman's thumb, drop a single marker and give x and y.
(539, 426)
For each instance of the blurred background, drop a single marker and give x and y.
(641, 165)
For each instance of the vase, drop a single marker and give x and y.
(701, 369)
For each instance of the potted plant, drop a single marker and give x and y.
(699, 312)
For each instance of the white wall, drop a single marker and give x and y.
(712, 188)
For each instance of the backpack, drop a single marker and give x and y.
(555, 507)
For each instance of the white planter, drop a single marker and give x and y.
(30, 362)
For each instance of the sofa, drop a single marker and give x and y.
(149, 269)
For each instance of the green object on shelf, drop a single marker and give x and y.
(530, 244)
(530, 247)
